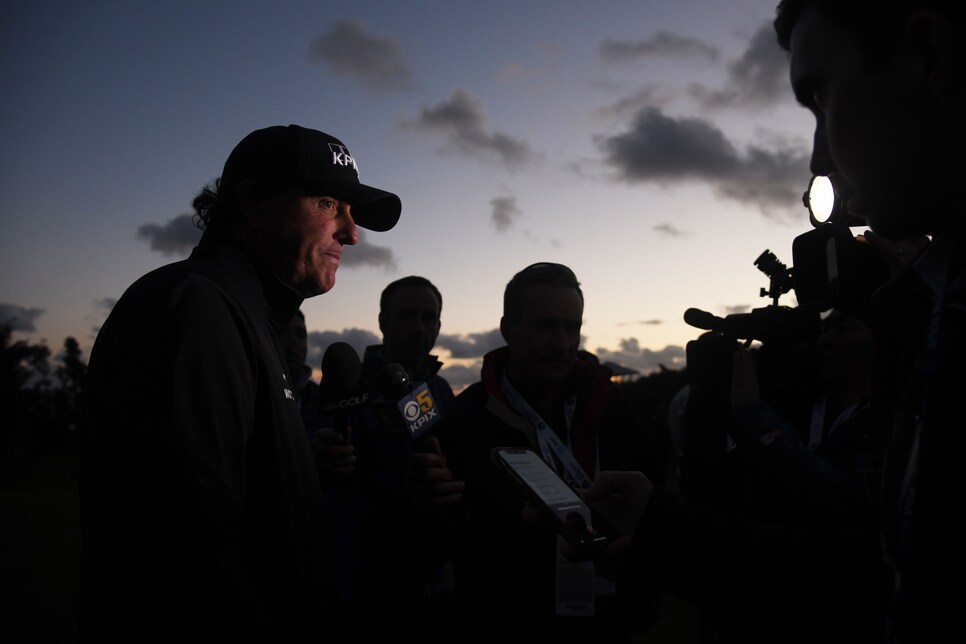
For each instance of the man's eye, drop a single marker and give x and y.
(328, 204)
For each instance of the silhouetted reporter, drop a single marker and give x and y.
(509, 578)
(201, 508)
(365, 489)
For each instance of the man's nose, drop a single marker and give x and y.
(347, 233)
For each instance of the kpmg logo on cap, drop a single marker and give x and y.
(341, 156)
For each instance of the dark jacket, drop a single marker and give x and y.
(382, 551)
(201, 508)
(505, 568)
(922, 320)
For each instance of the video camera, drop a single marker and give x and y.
(832, 269)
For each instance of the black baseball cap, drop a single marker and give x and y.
(313, 162)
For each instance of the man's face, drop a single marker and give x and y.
(409, 325)
(866, 118)
(543, 343)
(302, 239)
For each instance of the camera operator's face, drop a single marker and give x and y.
(866, 117)
(543, 342)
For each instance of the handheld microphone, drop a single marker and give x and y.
(341, 390)
(414, 404)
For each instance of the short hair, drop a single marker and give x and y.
(876, 24)
(412, 281)
(544, 273)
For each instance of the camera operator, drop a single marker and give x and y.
(794, 462)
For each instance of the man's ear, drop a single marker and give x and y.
(929, 37)
(506, 330)
(382, 323)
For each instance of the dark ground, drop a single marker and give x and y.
(39, 549)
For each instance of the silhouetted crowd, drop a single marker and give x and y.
(796, 490)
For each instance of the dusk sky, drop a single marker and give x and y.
(652, 146)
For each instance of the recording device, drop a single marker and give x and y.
(571, 517)
(412, 404)
(831, 269)
(341, 389)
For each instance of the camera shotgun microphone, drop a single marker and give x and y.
(340, 390)
(414, 403)
(702, 319)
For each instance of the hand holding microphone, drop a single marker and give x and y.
(340, 392)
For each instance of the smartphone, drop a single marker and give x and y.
(583, 528)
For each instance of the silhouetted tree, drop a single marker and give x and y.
(39, 412)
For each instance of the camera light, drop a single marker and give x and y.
(820, 200)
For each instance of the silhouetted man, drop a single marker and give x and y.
(535, 393)
(363, 473)
(202, 513)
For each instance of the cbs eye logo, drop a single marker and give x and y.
(411, 411)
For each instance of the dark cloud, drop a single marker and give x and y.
(644, 322)
(661, 149)
(177, 237)
(470, 345)
(505, 211)
(105, 303)
(461, 120)
(366, 254)
(667, 230)
(630, 354)
(758, 77)
(350, 50)
(319, 341)
(461, 376)
(19, 318)
(663, 44)
(647, 96)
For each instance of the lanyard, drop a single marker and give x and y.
(817, 430)
(551, 447)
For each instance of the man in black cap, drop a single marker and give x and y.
(201, 509)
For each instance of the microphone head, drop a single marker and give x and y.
(341, 367)
(393, 381)
(701, 319)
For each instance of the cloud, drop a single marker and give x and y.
(665, 150)
(645, 322)
(505, 211)
(351, 51)
(667, 230)
(758, 77)
(461, 376)
(366, 254)
(19, 318)
(630, 354)
(461, 120)
(319, 341)
(470, 345)
(662, 44)
(177, 237)
(649, 95)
